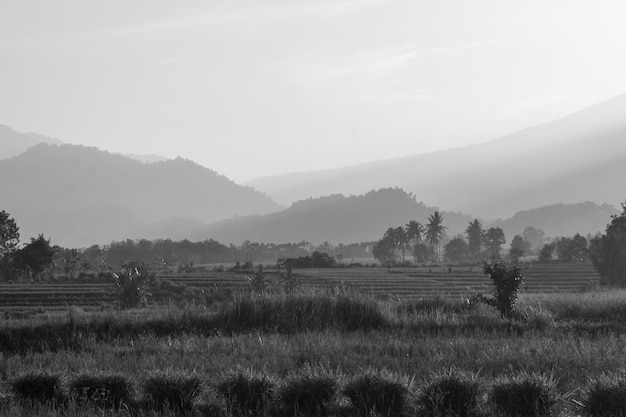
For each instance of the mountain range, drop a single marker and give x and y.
(563, 177)
(80, 195)
(581, 157)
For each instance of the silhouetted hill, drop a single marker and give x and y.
(13, 143)
(363, 218)
(79, 196)
(335, 218)
(560, 220)
(578, 158)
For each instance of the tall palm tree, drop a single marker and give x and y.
(435, 230)
(475, 237)
(414, 232)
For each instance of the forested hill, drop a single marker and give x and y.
(334, 218)
(79, 196)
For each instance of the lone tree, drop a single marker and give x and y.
(608, 251)
(506, 280)
(9, 239)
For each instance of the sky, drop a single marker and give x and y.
(253, 88)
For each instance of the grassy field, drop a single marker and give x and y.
(339, 331)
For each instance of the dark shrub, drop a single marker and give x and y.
(524, 395)
(380, 393)
(102, 390)
(307, 394)
(245, 393)
(175, 391)
(41, 388)
(606, 396)
(450, 394)
(506, 280)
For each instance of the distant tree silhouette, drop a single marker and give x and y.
(9, 239)
(494, 239)
(519, 247)
(385, 250)
(608, 251)
(475, 237)
(435, 231)
(414, 231)
(35, 256)
(456, 249)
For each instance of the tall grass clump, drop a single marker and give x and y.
(524, 395)
(606, 396)
(246, 393)
(305, 312)
(377, 392)
(174, 391)
(110, 391)
(40, 388)
(449, 393)
(307, 393)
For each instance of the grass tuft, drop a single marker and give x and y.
(40, 388)
(450, 394)
(377, 392)
(307, 393)
(174, 391)
(110, 391)
(524, 395)
(246, 393)
(606, 396)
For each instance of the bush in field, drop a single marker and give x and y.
(506, 280)
(449, 394)
(307, 394)
(246, 393)
(131, 285)
(524, 395)
(39, 387)
(606, 396)
(103, 390)
(377, 392)
(175, 391)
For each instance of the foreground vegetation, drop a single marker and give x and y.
(333, 343)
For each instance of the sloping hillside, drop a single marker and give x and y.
(335, 218)
(579, 158)
(13, 143)
(79, 196)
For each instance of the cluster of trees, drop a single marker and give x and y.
(164, 253)
(29, 260)
(39, 255)
(423, 241)
(566, 249)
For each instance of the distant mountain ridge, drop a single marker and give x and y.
(364, 218)
(81, 196)
(13, 143)
(581, 157)
(335, 218)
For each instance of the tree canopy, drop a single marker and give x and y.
(608, 251)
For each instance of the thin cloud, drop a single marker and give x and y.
(211, 16)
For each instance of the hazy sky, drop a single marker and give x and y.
(251, 88)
